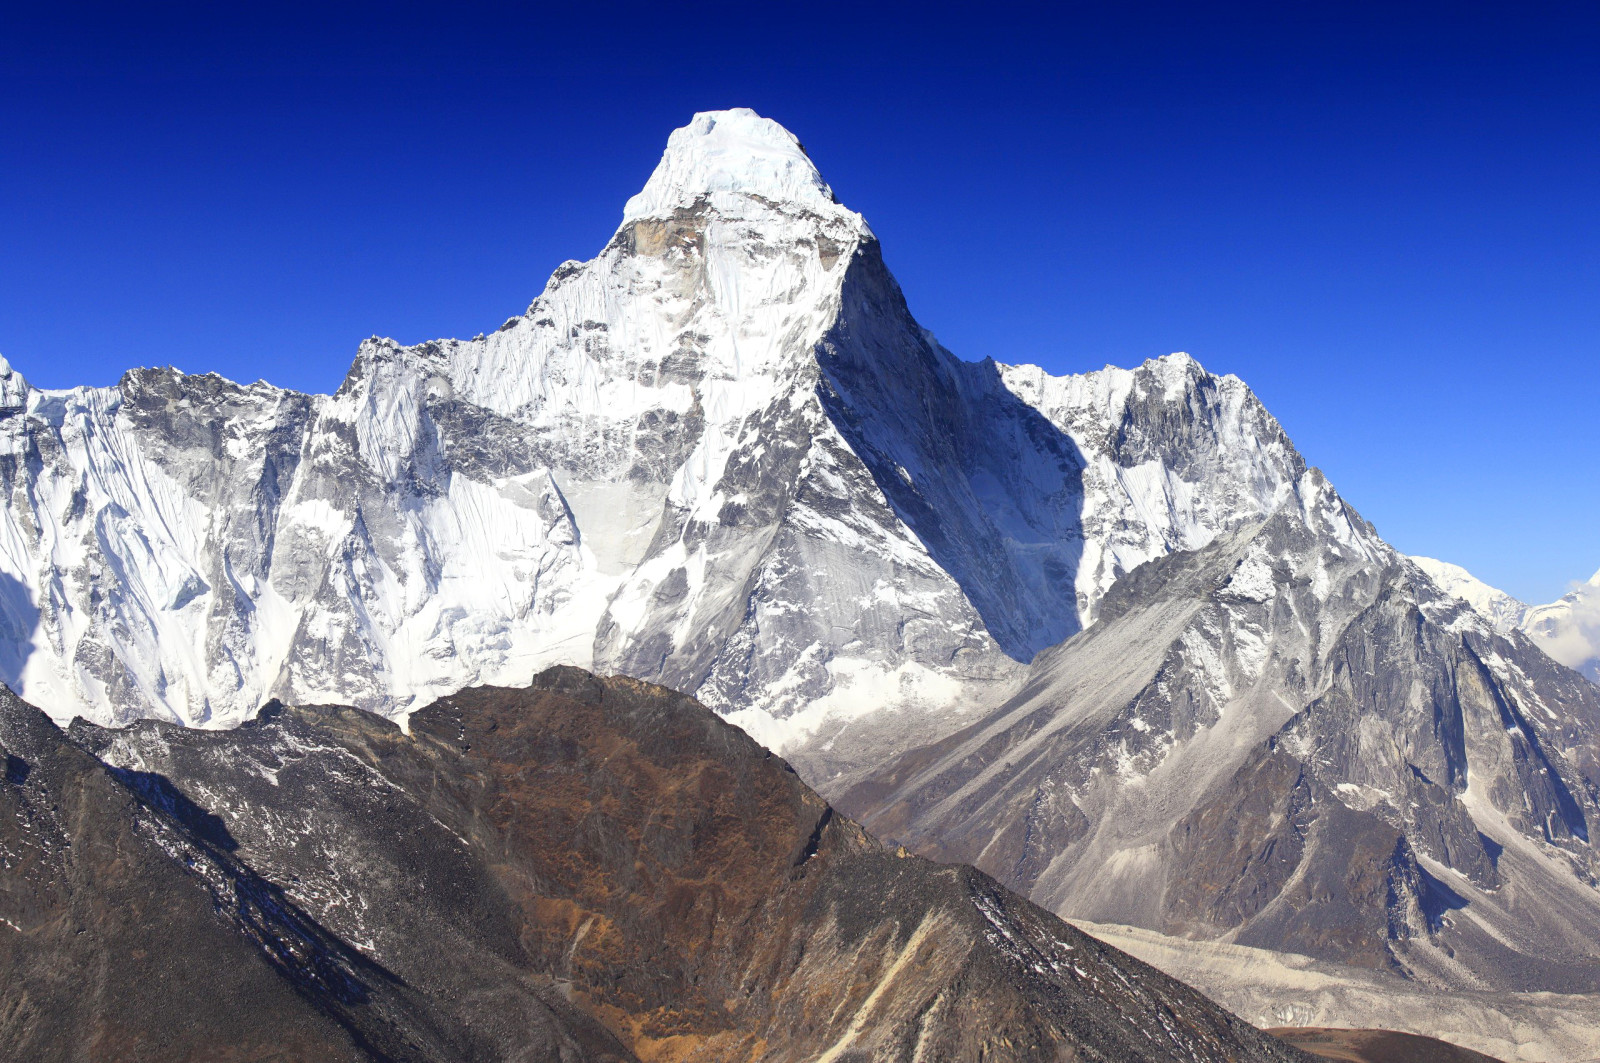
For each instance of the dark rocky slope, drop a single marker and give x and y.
(1378, 1046)
(584, 869)
(131, 929)
(1288, 740)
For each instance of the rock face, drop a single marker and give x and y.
(584, 869)
(1292, 739)
(721, 456)
(1568, 630)
(132, 927)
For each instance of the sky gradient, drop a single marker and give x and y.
(1387, 223)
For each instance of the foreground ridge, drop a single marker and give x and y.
(583, 869)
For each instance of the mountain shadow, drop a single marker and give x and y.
(989, 485)
(19, 619)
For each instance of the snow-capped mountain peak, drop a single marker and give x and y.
(13, 389)
(1499, 608)
(1568, 630)
(721, 454)
(733, 153)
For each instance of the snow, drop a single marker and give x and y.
(639, 474)
(1137, 505)
(1568, 630)
(1498, 607)
(1253, 580)
(730, 153)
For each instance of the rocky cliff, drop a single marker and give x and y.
(583, 869)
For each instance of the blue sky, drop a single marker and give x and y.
(1385, 218)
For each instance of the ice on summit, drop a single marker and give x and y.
(730, 153)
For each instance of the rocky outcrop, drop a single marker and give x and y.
(583, 869)
(1289, 739)
(132, 927)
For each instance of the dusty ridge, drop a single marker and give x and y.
(584, 869)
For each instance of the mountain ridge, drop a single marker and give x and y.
(1292, 739)
(1071, 629)
(1567, 629)
(732, 365)
(613, 872)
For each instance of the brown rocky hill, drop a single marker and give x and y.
(1377, 1046)
(585, 869)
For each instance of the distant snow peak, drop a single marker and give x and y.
(730, 153)
(1568, 630)
(1499, 608)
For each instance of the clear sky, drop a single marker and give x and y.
(1385, 217)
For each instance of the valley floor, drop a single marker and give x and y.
(1376, 1046)
(1278, 989)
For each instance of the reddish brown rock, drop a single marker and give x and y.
(583, 869)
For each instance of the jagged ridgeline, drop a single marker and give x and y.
(584, 870)
(1106, 636)
(721, 455)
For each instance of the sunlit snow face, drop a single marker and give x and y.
(725, 154)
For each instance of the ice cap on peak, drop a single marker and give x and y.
(1174, 366)
(13, 389)
(735, 151)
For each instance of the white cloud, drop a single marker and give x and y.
(1569, 630)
